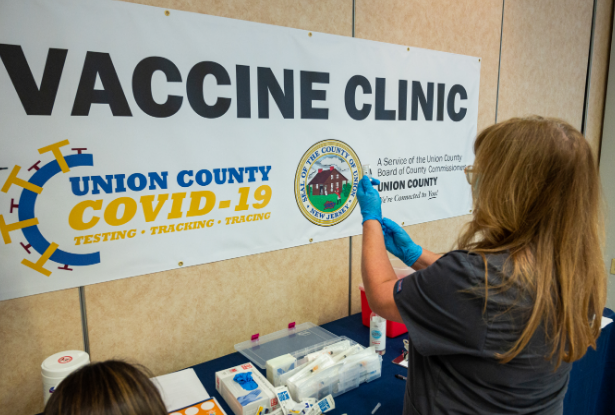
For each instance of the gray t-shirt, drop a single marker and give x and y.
(452, 365)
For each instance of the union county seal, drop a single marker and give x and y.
(326, 182)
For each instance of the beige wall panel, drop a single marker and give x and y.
(174, 319)
(327, 16)
(466, 27)
(599, 73)
(32, 329)
(545, 47)
(438, 236)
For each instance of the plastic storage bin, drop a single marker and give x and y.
(302, 340)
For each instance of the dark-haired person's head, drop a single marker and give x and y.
(106, 388)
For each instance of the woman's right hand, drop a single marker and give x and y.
(399, 243)
(369, 199)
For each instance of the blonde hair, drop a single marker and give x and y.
(537, 195)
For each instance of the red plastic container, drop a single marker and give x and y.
(394, 329)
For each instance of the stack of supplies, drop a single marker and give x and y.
(333, 372)
(306, 368)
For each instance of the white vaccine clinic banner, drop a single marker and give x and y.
(135, 139)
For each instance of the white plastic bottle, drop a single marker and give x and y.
(377, 333)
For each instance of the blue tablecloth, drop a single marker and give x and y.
(591, 389)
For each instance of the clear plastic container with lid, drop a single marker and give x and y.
(302, 340)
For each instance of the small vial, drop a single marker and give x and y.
(377, 333)
(367, 170)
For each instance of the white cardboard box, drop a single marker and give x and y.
(235, 395)
(278, 366)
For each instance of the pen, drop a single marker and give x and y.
(402, 377)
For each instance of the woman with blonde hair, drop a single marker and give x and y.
(112, 387)
(494, 326)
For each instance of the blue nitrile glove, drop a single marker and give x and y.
(249, 398)
(399, 243)
(369, 199)
(246, 381)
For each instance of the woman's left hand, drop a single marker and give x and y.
(399, 243)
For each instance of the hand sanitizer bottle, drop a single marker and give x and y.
(377, 333)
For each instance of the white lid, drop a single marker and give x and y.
(61, 364)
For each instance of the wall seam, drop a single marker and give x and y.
(354, 5)
(84, 321)
(497, 94)
(589, 70)
(350, 276)
(354, 10)
(608, 65)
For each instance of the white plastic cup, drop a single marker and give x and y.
(58, 366)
